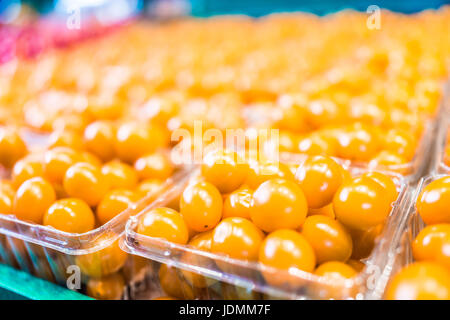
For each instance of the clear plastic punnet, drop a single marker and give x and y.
(91, 262)
(202, 270)
(402, 254)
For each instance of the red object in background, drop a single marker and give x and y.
(28, 42)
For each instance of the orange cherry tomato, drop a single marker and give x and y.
(99, 137)
(335, 270)
(386, 182)
(362, 203)
(278, 204)
(113, 203)
(154, 166)
(237, 238)
(201, 241)
(420, 281)
(32, 199)
(225, 169)
(358, 142)
(69, 139)
(434, 201)
(26, 168)
(400, 142)
(120, 175)
(201, 206)
(103, 262)
(260, 172)
(70, 215)
(149, 186)
(317, 144)
(173, 284)
(87, 182)
(12, 147)
(57, 161)
(164, 223)
(106, 288)
(319, 178)
(6, 201)
(134, 140)
(238, 203)
(364, 241)
(432, 243)
(282, 250)
(329, 239)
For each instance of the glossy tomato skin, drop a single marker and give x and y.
(12, 146)
(225, 169)
(201, 206)
(113, 203)
(86, 181)
(329, 238)
(164, 223)
(278, 204)
(99, 139)
(70, 215)
(361, 203)
(33, 198)
(237, 238)
(420, 281)
(335, 270)
(284, 249)
(319, 177)
(120, 175)
(238, 203)
(434, 201)
(432, 244)
(154, 166)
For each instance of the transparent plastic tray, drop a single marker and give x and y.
(248, 275)
(60, 256)
(402, 254)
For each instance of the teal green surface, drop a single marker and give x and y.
(18, 285)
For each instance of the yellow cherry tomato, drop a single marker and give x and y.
(420, 281)
(432, 243)
(164, 223)
(225, 169)
(25, 169)
(113, 203)
(329, 239)
(57, 161)
(12, 146)
(32, 199)
(70, 215)
(99, 138)
(237, 238)
(201, 206)
(362, 203)
(319, 178)
(154, 166)
(87, 182)
(120, 175)
(284, 250)
(434, 201)
(238, 203)
(278, 204)
(134, 140)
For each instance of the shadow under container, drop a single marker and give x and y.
(90, 262)
(207, 275)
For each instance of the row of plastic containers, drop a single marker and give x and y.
(114, 261)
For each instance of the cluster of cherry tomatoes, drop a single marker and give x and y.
(428, 278)
(314, 217)
(83, 132)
